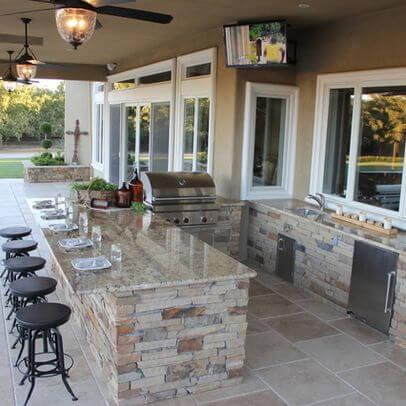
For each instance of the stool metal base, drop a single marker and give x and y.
(35, 369)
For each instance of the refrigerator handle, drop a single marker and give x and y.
(388, 290)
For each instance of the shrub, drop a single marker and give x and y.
(45, 129)
(96, 184)
(46, 159)
(46, 144)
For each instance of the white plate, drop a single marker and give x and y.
(75, 243)
(52, 214)
(60, 227)
(44, 204)
(91, 264)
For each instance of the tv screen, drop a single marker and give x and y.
(257, 44)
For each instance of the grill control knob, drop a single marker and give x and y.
(203, 219)
(185, 220)
(176, 220)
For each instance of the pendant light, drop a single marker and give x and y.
(26, 60)
(9, 79)
(75, 25)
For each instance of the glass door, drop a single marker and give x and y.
(146, 138)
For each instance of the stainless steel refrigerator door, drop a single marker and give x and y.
(285, 257)
(373, 285)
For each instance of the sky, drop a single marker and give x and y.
(50, 84)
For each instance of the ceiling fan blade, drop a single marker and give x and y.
(98, 25)
(135, 14)
(29, 11)
(102, 3)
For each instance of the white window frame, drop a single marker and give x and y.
(195, 87)
(356, 81)
(98, 99)
(254, 90)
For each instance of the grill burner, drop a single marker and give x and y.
(184, 198)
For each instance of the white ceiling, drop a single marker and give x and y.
(122, 38)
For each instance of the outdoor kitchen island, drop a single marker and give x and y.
(166, 321)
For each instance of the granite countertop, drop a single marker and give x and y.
(154, 253)
(396, 243)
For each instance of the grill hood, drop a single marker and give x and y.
(178, 187)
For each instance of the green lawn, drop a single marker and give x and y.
(11, 168)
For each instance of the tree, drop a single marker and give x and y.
(46, 129)
(23, 111)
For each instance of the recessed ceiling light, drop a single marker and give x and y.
(303, 5)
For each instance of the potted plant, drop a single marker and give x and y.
(46, 130)
(96, 188)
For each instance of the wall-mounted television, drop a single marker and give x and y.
(255, 45)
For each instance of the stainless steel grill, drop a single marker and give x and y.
(185, 198)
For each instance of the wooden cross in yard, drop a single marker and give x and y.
(76, 133)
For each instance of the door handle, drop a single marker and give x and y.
(388, 290)
(280, 244)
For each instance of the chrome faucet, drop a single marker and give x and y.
(319, 199)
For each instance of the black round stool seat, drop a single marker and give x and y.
(24, 264)
(43, 316)
(33, 287)
(19, 246)
(15, 232)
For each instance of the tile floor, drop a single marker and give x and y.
(300, 351)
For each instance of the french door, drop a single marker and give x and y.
(145, 136)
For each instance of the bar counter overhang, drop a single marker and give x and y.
(168, 320)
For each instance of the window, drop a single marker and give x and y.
(195, 111)
(98, 144)
(147, 138)
(155, 78)
(196, 134)
(360, 141)
(125, 84)
(269, 141)
(198, 70)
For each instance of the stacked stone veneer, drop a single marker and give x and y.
(323, 258)
(64, 173)
(163, 343)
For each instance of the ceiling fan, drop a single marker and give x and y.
(76, 20)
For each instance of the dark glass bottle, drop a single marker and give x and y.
(137, 188)
(123, 196)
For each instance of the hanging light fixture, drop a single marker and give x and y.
(26, 60)
(75, 25)
(9, 79)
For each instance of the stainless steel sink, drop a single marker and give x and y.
(305, 212)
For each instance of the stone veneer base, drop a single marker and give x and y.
(61, 173)
(323, 259)
(163, 343)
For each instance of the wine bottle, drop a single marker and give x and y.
(137, 188)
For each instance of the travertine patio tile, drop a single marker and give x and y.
(258, 289)
(354, 399)
(339, 353)
(392, 351)
(323, 310)
(255, 325)
(383, 383)
(266, 349)
(271, 306)
(359, 331)
(304, 382)
(268, 398)
(300, 327)
(291, 292)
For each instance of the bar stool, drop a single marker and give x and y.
(29, 291)
(14, 233)
(21, 267)
(18, 248)
(42, 320)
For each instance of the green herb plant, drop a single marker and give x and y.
(139, 207)
(96, 184)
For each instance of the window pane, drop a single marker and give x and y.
(131, 133)
(188, 133)
(338, 141)
(145, 118)
(160, 136)
(155, 78)
(202, 134)
(124, 84)
(269, 140)
(198, 70)
(382, 147)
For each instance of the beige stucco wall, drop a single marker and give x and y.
(364, 42)
(78, 107)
